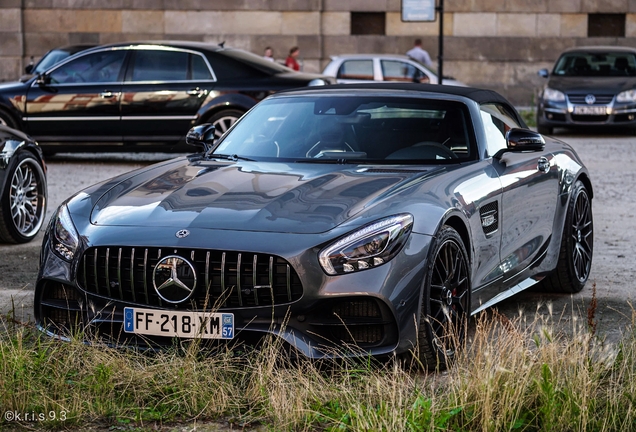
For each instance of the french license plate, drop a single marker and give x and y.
(205, 325)
(590, 110)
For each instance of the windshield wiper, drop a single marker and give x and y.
(233, 157)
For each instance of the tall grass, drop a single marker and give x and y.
(514, 375)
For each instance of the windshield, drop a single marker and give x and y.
(352, 129)
(596, 64)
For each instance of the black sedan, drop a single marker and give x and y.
(22, 187)
(346, 220)
(142, 96)
(590, 87)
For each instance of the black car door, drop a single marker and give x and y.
(78, 100)
(163, 90)
(530, 184)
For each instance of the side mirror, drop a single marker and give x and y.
(43, 80)
(518, 140)
(543, 73)
(201, 136)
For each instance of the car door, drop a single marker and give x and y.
(356, 70)
(162, 92)
(530, 182)
(78, 100)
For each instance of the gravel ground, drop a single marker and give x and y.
(610, 158)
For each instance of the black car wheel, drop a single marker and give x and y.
(446, 301)
(223, 120)
(577, 245)
(23, 201)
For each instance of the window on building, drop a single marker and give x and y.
(606, 25)
(368, 23)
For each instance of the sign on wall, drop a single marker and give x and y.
(418, 10)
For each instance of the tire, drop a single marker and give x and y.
(23, 200)
(445, 307)
(223, 120)
(577, 245)
(7, 120)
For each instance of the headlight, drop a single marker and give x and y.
(626, 96)
(553, 95)
(370, 246)
(317, 82)
(65, 237)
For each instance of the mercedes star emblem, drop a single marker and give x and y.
(182, 233)
(174, 279)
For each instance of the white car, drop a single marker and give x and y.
(355, 68)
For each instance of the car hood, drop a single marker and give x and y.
(591, 84)
(249, 196)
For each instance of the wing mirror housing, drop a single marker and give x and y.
(43, 80)
(543, 73)
(521, 140)
(201, 136)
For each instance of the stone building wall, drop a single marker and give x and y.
(498, 44)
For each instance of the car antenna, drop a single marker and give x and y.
(221, 44)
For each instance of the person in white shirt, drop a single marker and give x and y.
(269, 54)
(419, 54)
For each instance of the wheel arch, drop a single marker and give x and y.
(585, 179)
(223, 103)
(458, 224)
(17, 122)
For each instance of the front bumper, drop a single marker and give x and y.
(368, 312)
(564, 114)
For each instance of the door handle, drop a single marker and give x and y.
(195, 92)
(543, 164)
(107, 94)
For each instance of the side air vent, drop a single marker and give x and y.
(489, 215)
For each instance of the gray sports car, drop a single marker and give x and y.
(366, 219)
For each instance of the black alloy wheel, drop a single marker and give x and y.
(446, 301)
(577, 245)
(23, 201)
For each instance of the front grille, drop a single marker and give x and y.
(601, 99)
(590, 118)
(224, 279)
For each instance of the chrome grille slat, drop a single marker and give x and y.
(601, 99)
(273, 280)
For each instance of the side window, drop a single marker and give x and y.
(99, 67)
(393, 70)
(200, 70)
(497, 121)
(356, 69)
(158, 65)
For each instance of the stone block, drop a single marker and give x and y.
(574, 25)
(292, 5)
(517, 24)
(10, 20)
(10, 68)
(252, 22)
(10, 44)
(473, 6)
(475, 24)
(309, 46)
(334, 45)
(49, 20)
(527, 6)
(548, 25)
(367, 5)
(83, 38)
(300, 23)
(38, 4)
(336, 23)
(143, 4)
(567, 6)
(87, 4)
(10, 4)
(395, 6)
(631, 5)
(102, 21)
(37, 44)
(248, 22)
(630, 25)
(604, 6)
(143, 21)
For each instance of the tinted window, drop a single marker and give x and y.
(200, 70)
(97, 67)
(356, 69)
(497, 122)
(157, 65)
(596, 64)
(393, 70)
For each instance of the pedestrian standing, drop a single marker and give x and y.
(269, 54)
(417, 53)
(291, 61)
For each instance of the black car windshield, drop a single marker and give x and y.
(608, 64)
(353, 129)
